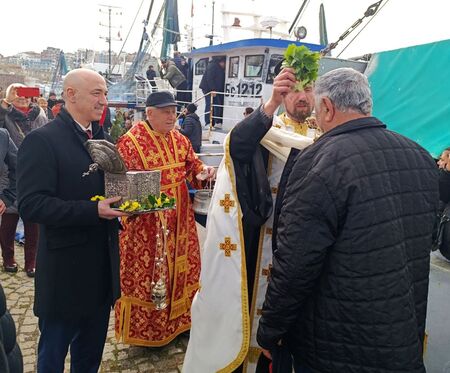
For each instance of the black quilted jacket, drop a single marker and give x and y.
(349, 284)
(11, 360)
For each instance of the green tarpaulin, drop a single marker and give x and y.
(411, 93)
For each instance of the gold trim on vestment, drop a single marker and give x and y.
(244, 291)
(175, 148)
(153, 137)
(169, 166)
(139, 149)
(177, 306)
(124, 330)
(167, 148)
(251, 353)
(170, 186)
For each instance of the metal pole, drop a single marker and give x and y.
(109, 45)
(212, 25)
(298, 15)
(211, 97)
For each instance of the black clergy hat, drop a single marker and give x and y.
(160, 99)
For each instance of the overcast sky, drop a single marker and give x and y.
(34, 25)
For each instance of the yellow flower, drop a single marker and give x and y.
(130, 206)
(158, 202)
(97, 198)
(124, 205)
(134, 206)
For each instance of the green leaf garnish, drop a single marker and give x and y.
(305, 64)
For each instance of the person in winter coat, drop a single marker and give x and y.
(349, 283)
(8, 158)
(177, 80)
(192, 128)
(42, 102)
(19, 117)
(77, 276)
(151, 75)
(10, 355)
(11, 360)
(213, 80)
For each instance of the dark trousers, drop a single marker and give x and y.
(8, 228)
(183, 98)
(217, 108)
(86, 337)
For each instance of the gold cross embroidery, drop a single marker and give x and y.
(269, 231)
(227, 246)
(172, 176)
(153, 157)
(267, 271)
(183, 152)
(226, 203)
(274, 190)
(259, 312)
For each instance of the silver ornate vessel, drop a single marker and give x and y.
(130, 185)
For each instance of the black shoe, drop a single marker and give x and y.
(31, 272)
(11, 268)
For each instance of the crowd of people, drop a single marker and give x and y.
(317, 251)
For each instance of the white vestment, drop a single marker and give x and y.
(223, 331)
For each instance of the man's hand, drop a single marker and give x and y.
(106, 212)
(208, 173)
(444, 160)
(12, 94)
(10, 98)
(282, 85)
(2, 207)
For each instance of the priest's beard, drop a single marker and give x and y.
(300, 112)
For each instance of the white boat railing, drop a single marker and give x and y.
(144, 88)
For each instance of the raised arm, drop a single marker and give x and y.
(247, 134)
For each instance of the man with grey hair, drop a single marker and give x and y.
(349, 282)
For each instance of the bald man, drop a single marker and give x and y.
(77, 269)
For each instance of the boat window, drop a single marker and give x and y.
(233, 68)
(200, 66)
(253, 66)
(274, 59)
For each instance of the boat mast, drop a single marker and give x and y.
(297, 16)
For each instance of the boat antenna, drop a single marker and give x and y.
(371, 10)
(305, 2)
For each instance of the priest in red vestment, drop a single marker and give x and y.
(154, 144)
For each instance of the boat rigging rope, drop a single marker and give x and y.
(129, 32)
(371, 10)
(362, 29)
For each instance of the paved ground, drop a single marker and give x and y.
(116, 356)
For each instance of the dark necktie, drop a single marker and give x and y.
(89, 134)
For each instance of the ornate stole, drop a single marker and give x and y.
(172, 171)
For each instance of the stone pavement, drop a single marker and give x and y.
(117, 357)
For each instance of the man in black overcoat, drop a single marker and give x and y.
(77, 271)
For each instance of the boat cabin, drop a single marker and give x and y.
(249, 73)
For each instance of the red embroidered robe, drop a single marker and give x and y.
(137, 322)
